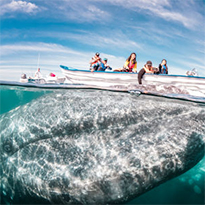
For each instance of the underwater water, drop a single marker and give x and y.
(187, 188)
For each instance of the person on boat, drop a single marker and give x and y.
(104, 66)
(193, 72)
(146, 69)
(163, 69)
(38, 74)
(130, 64)
(95, 62)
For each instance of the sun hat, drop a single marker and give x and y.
(105, 59)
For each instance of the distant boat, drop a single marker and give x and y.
(47, 80)
(111, 78)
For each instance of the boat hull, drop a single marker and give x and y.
(49, 80)
(104, 79)
(99, 78)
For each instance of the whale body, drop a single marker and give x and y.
(96, 147)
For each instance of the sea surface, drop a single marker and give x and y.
(187, 188)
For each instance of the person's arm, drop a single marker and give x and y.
(140, 75)
(95, 60)
(126, 65)
(106, 66)
(166, 70)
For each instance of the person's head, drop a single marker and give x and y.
(132, 57)
(105, 59)
(149, 65)
(164, 62)
(97, 54)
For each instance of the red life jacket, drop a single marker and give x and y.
(96, 60)
(131, 66)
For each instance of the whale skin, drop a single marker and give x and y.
(96, 147)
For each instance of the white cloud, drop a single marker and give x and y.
(177, 11)
(183, 12)
(76, 10)
(101, 40)
(17, 6)
(37, 47)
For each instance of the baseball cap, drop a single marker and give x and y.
(149, 63)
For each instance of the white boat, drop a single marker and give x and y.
(48, 80)
(111, 78)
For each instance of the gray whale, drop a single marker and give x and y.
(96, 147)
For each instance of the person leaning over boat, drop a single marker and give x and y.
(163, 69)
(38, 74)
(104, 66)
(130, 64)
(95, 62)
(146, 69)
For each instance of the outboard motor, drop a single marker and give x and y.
(23, 76)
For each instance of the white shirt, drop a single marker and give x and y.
(38, 74)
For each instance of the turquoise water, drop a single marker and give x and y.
(12, 97)
(188, 188)
(185, 189)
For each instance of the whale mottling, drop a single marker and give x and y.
(96, 147)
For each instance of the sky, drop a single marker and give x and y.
(50, 33)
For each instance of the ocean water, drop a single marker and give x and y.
(187, 188)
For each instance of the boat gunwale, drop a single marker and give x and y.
(116, 72)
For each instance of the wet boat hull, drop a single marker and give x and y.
(105, 79)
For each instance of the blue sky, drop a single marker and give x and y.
(50, 33)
